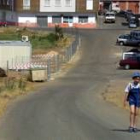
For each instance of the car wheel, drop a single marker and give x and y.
(127, 67)
(121, 43)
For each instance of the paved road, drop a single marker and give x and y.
(71, 107)
(120, 23)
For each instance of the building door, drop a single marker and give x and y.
(42, 21)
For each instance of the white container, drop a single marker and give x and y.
(14, 53)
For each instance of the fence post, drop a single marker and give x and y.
(7, 67)
(71, 54)
(58, 62)
(48, 69)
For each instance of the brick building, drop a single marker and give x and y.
(133, 5)
(48, 13)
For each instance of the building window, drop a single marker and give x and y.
(83, 19)
(68, 19)
(89, 4)
(57, 3)
(46, 2)
(26, 4)
(56, 19)
(68, 3)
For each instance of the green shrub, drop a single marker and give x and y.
(52, 37)
(59, 32)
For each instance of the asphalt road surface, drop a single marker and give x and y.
(71, 107)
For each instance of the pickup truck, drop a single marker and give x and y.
(3, 23)
(110, 17)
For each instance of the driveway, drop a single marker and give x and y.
(71, 107)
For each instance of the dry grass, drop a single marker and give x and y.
(7, 95)
(115, 92)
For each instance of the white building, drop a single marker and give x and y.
(57, 5)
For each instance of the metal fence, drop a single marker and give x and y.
(51, 62)
(54, 64)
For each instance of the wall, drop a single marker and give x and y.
(11, 16)
(90, 24)
(81, 6)
(12, 55)
(132, 5)
(27, 21)
(34, 6)
(53, 8)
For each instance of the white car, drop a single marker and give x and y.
(110, 17)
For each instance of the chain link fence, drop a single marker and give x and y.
(50, 62)
(54, 64)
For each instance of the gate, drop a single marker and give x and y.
(42, 21)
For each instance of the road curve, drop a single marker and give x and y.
(71, 107)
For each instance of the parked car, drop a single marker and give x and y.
(135, 34)
(130, 63)
(132, 41)
(131, 17)
(132, 24)
(3, 23)
(127, 55)
(110, 17)
(128, 13)
(121, 40)
(128, 40)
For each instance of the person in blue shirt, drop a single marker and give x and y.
(132, 96)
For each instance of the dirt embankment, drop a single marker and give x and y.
(114, 92)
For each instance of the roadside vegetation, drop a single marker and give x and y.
(38, 39)
(14, 83)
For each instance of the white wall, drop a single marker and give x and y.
(75, 19)
(91, 20)
(27, 19)
(53, 8)
(49, 19)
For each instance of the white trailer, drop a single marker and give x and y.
(14, 52)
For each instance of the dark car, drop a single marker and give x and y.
(132, 41)
(128, 13)
(132, 23)
(131, 62)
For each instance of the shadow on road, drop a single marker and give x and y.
(124, 24)
(123, 130)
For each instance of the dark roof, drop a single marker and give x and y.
(118, 0)
(63, 14)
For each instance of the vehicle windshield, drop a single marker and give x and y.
(132, 21)
(109, 15)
